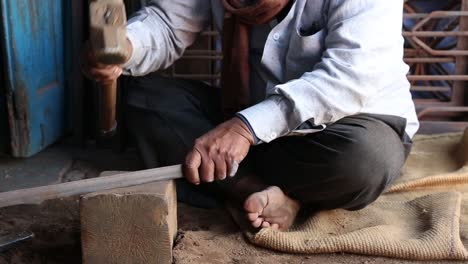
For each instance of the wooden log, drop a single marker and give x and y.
(129, 225)
(40, 194)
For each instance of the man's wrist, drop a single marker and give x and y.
(246, 125)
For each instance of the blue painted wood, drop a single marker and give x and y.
(33, 41)
(4, 131)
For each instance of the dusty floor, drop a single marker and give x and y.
(205, 236)
(62, 163)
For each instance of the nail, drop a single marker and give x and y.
(235, 167)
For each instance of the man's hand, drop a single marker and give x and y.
(219, 152)
(98, 72)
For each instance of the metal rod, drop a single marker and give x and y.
(430, 60)
(435, 33)
(431, 88)
(435, 109)
(438, 77)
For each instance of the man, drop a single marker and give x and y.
(314, 94)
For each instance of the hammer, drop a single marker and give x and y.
(108, 39)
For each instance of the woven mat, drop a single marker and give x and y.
(423, 216)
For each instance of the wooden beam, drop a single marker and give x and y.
(40, 194)
(129, 225)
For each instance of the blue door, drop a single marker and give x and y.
(4, 132)
(32, 41)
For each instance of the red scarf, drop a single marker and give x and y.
(239, 17)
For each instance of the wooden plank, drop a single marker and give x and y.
(129, 225)
(40, 194)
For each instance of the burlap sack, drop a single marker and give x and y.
(423, 216)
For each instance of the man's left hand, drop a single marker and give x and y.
(219, 152)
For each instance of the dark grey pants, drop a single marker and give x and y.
(348, 165)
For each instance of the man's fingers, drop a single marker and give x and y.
(98, 72)
(207, 169)
(220, 168)
(192, 164)
(106, 73)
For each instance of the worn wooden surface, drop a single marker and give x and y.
(129, 225)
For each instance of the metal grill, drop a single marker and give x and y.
(437, 51)
(202, 61)
(436, 48)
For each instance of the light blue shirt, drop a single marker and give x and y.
(326, 60)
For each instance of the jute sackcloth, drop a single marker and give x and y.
(422, 216)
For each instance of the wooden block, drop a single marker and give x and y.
(129, 225)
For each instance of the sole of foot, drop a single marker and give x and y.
(271, 208)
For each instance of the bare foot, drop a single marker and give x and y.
(271, 208)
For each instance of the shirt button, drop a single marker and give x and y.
(273, 135)
(276, 36)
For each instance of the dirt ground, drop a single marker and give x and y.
(205, 236)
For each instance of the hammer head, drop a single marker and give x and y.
(108, 34)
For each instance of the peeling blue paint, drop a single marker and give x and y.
(4, 133)
(34, 61)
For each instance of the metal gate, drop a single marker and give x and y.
(436, 34)
(201, 61)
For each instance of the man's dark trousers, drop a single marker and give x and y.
(348, 165)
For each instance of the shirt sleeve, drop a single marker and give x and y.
(161, 32)
(363, 54)
(246, 122)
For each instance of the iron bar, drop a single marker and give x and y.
(431, 88)
(438, 77)
(430, 60)
(435, 33)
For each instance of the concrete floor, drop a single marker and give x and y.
(55, 223)
(62, 163)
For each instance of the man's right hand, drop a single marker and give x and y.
(99, 72)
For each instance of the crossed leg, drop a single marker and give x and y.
(348, 165)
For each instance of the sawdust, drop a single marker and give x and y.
(56, 227)
(205, 236)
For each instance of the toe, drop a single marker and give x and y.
(257, 223)
(275, 226)
(252, 216)
(265, 224)
(256, 203)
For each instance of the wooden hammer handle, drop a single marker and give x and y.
(108, 39)
(108, 108)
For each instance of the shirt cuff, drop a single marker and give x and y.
(137, 50)
(268, 119)
(247, 123)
